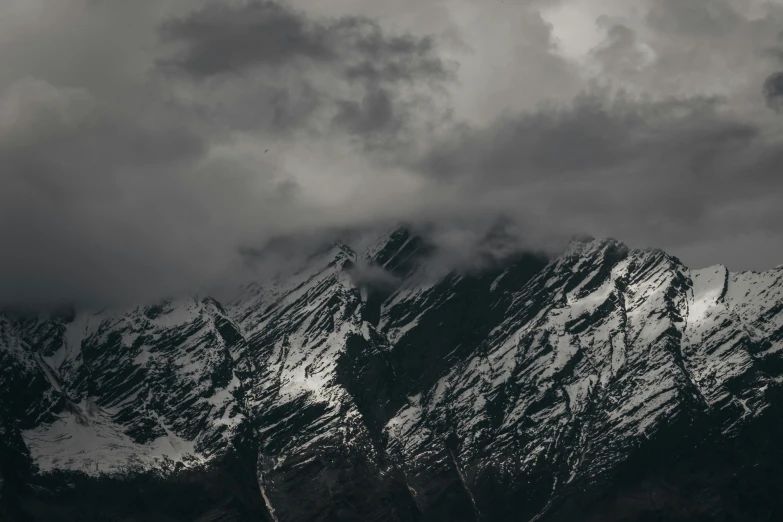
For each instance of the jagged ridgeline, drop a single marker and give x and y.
(608, 384)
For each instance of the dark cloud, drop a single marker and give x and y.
(773, 91)
(704, 47)
(712, 18)
(223, 38)
(150, 149)
(399, 58)
(88, 193)
(230, 39)
(659, 172)
(374, 113)
(364, 75)
(619, 53)
(597, 133)
(151, 183)
(773, 85)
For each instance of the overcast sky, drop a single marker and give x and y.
(145, 144)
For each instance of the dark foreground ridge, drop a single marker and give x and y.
(608, 384)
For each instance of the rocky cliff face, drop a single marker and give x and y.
(606, 384)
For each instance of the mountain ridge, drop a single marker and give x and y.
(384, 393)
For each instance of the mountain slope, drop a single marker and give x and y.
(373, 385)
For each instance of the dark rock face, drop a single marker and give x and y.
(608, 384)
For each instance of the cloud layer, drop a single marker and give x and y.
(145, 146)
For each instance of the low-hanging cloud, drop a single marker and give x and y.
(183, 136)
(159, 184)
(613, 164)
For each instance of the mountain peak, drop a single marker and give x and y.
(587, 248)
(504, 394)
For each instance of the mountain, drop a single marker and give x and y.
(368, 382)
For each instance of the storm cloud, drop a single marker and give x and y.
(664, 170)
(346, 70)
(146, 147)
(773, 91)
(226, 38)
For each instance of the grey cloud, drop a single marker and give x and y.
(61, 138)
(773, 85)
(88, 193)
(288, 189)
(281, 70)
(619, 54)
(656, 172)
(773, 91)
(224, 38)
(383, 58)
(374, 113)
(705, 17)
(278, 109)
(703, 47)
(776, 51)
(400, 70)
(101, 203)
(595, 133)
(151, 156)
(363, 273)
(146, 183)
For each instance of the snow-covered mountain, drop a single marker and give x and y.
(368, 384)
